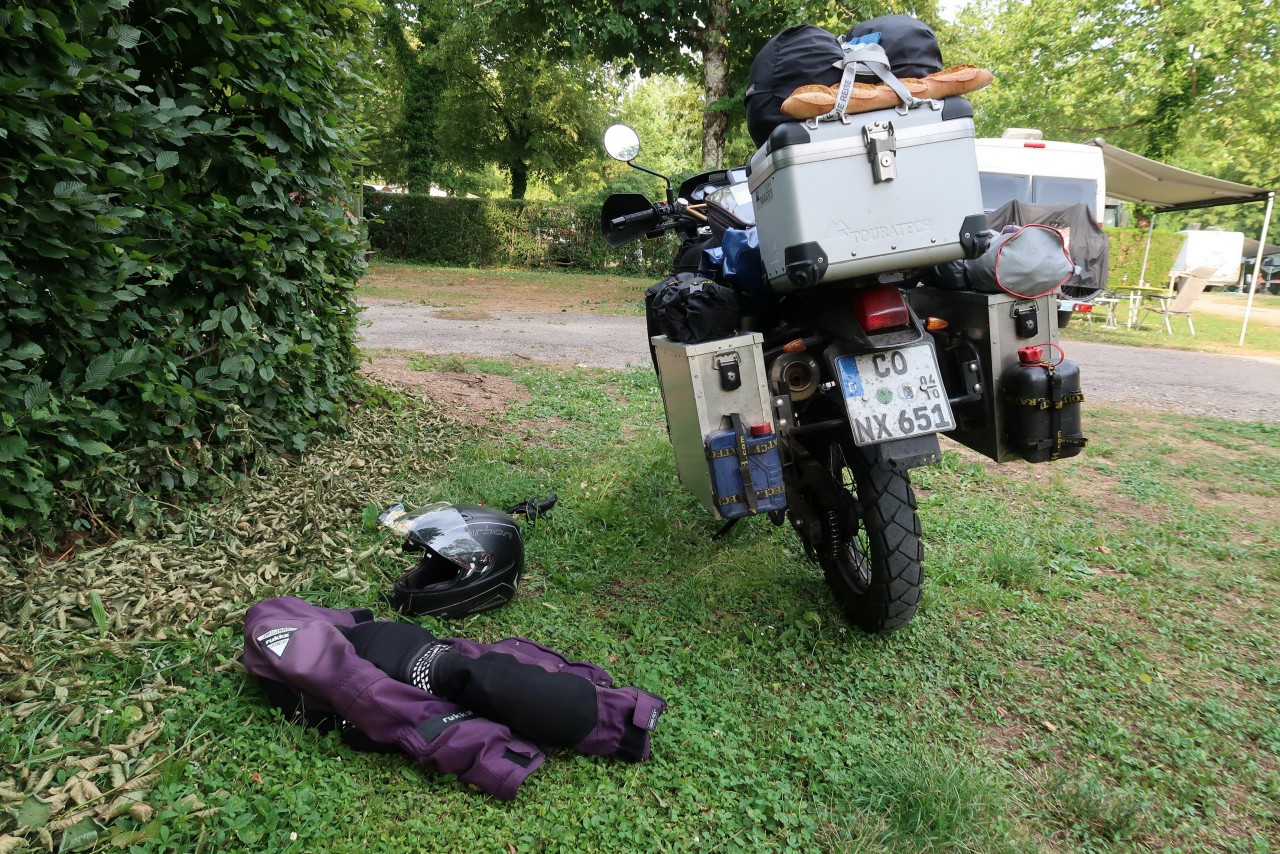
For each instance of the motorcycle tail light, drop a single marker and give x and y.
(880, 308)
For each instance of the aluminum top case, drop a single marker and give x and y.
(872, 193)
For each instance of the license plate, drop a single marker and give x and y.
(893, 394)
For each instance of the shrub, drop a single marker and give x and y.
(1129, 245)
(176, 262)
(503, 233)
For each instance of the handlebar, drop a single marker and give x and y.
(629, 216)
(634, 218)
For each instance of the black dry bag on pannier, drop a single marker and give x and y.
(911, 47)
(690, 309)
(798, 56)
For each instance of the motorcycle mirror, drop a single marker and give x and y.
(622, 143)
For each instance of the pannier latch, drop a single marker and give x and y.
(882, 150)
(730, 371)
(1026, 323)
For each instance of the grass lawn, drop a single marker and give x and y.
(1093, 669)
(1217, 317)
(503, 290)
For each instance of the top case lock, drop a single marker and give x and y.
(882, 150)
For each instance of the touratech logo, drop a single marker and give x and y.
(882, 232)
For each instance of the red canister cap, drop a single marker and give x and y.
(761, 429)
(1030, 355)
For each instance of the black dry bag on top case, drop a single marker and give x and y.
(798, 56)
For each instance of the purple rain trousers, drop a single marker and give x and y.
(309, 667)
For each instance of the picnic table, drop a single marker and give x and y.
(1135, 294)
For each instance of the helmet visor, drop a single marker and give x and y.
(442, 529)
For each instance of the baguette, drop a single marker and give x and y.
(815, 89)
(956, 80)
(809, 102)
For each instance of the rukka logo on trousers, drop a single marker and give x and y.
(277, 639)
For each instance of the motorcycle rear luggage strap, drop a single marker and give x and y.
(744, 462)
(760, 495)
(762, 448)
(1058, 441)
(1046, 403)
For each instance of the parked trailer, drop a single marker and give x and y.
(1222, 250)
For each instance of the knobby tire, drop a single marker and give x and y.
(876, 573)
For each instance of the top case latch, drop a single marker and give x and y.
(882, 150)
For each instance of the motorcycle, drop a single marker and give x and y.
(855, 389)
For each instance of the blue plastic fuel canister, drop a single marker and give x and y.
(759, 447)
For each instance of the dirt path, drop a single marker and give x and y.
(1236, 387)
(1234, 305)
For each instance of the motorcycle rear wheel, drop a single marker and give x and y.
(872, 556)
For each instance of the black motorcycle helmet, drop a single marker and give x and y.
(472, 557)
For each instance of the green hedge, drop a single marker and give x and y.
(1127, 248)
(504, 233)
(176, 263)
(537, 235)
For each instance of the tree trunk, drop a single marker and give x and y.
(715, 83)
(519, 178)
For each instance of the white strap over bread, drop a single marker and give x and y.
(815, 101)
(875, 60)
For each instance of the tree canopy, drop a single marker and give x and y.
(524, 87)
(474, 92)
(1186, 83)
(713, 41)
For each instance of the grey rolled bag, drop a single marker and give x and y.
(1027, 261)
(1086, 242)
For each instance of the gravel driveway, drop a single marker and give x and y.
(1236, 387)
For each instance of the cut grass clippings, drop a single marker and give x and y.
(1093, 667)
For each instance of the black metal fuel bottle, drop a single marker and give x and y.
(1043, 420)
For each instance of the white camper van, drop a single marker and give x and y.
(1023, 165)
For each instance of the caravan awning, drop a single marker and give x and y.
(1133, 178)
(1251, 248)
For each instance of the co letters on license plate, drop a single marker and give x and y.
(893, 394)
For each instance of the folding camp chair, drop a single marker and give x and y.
(1179, 298)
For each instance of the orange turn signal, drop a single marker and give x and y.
(933, 324)
(796, 346)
